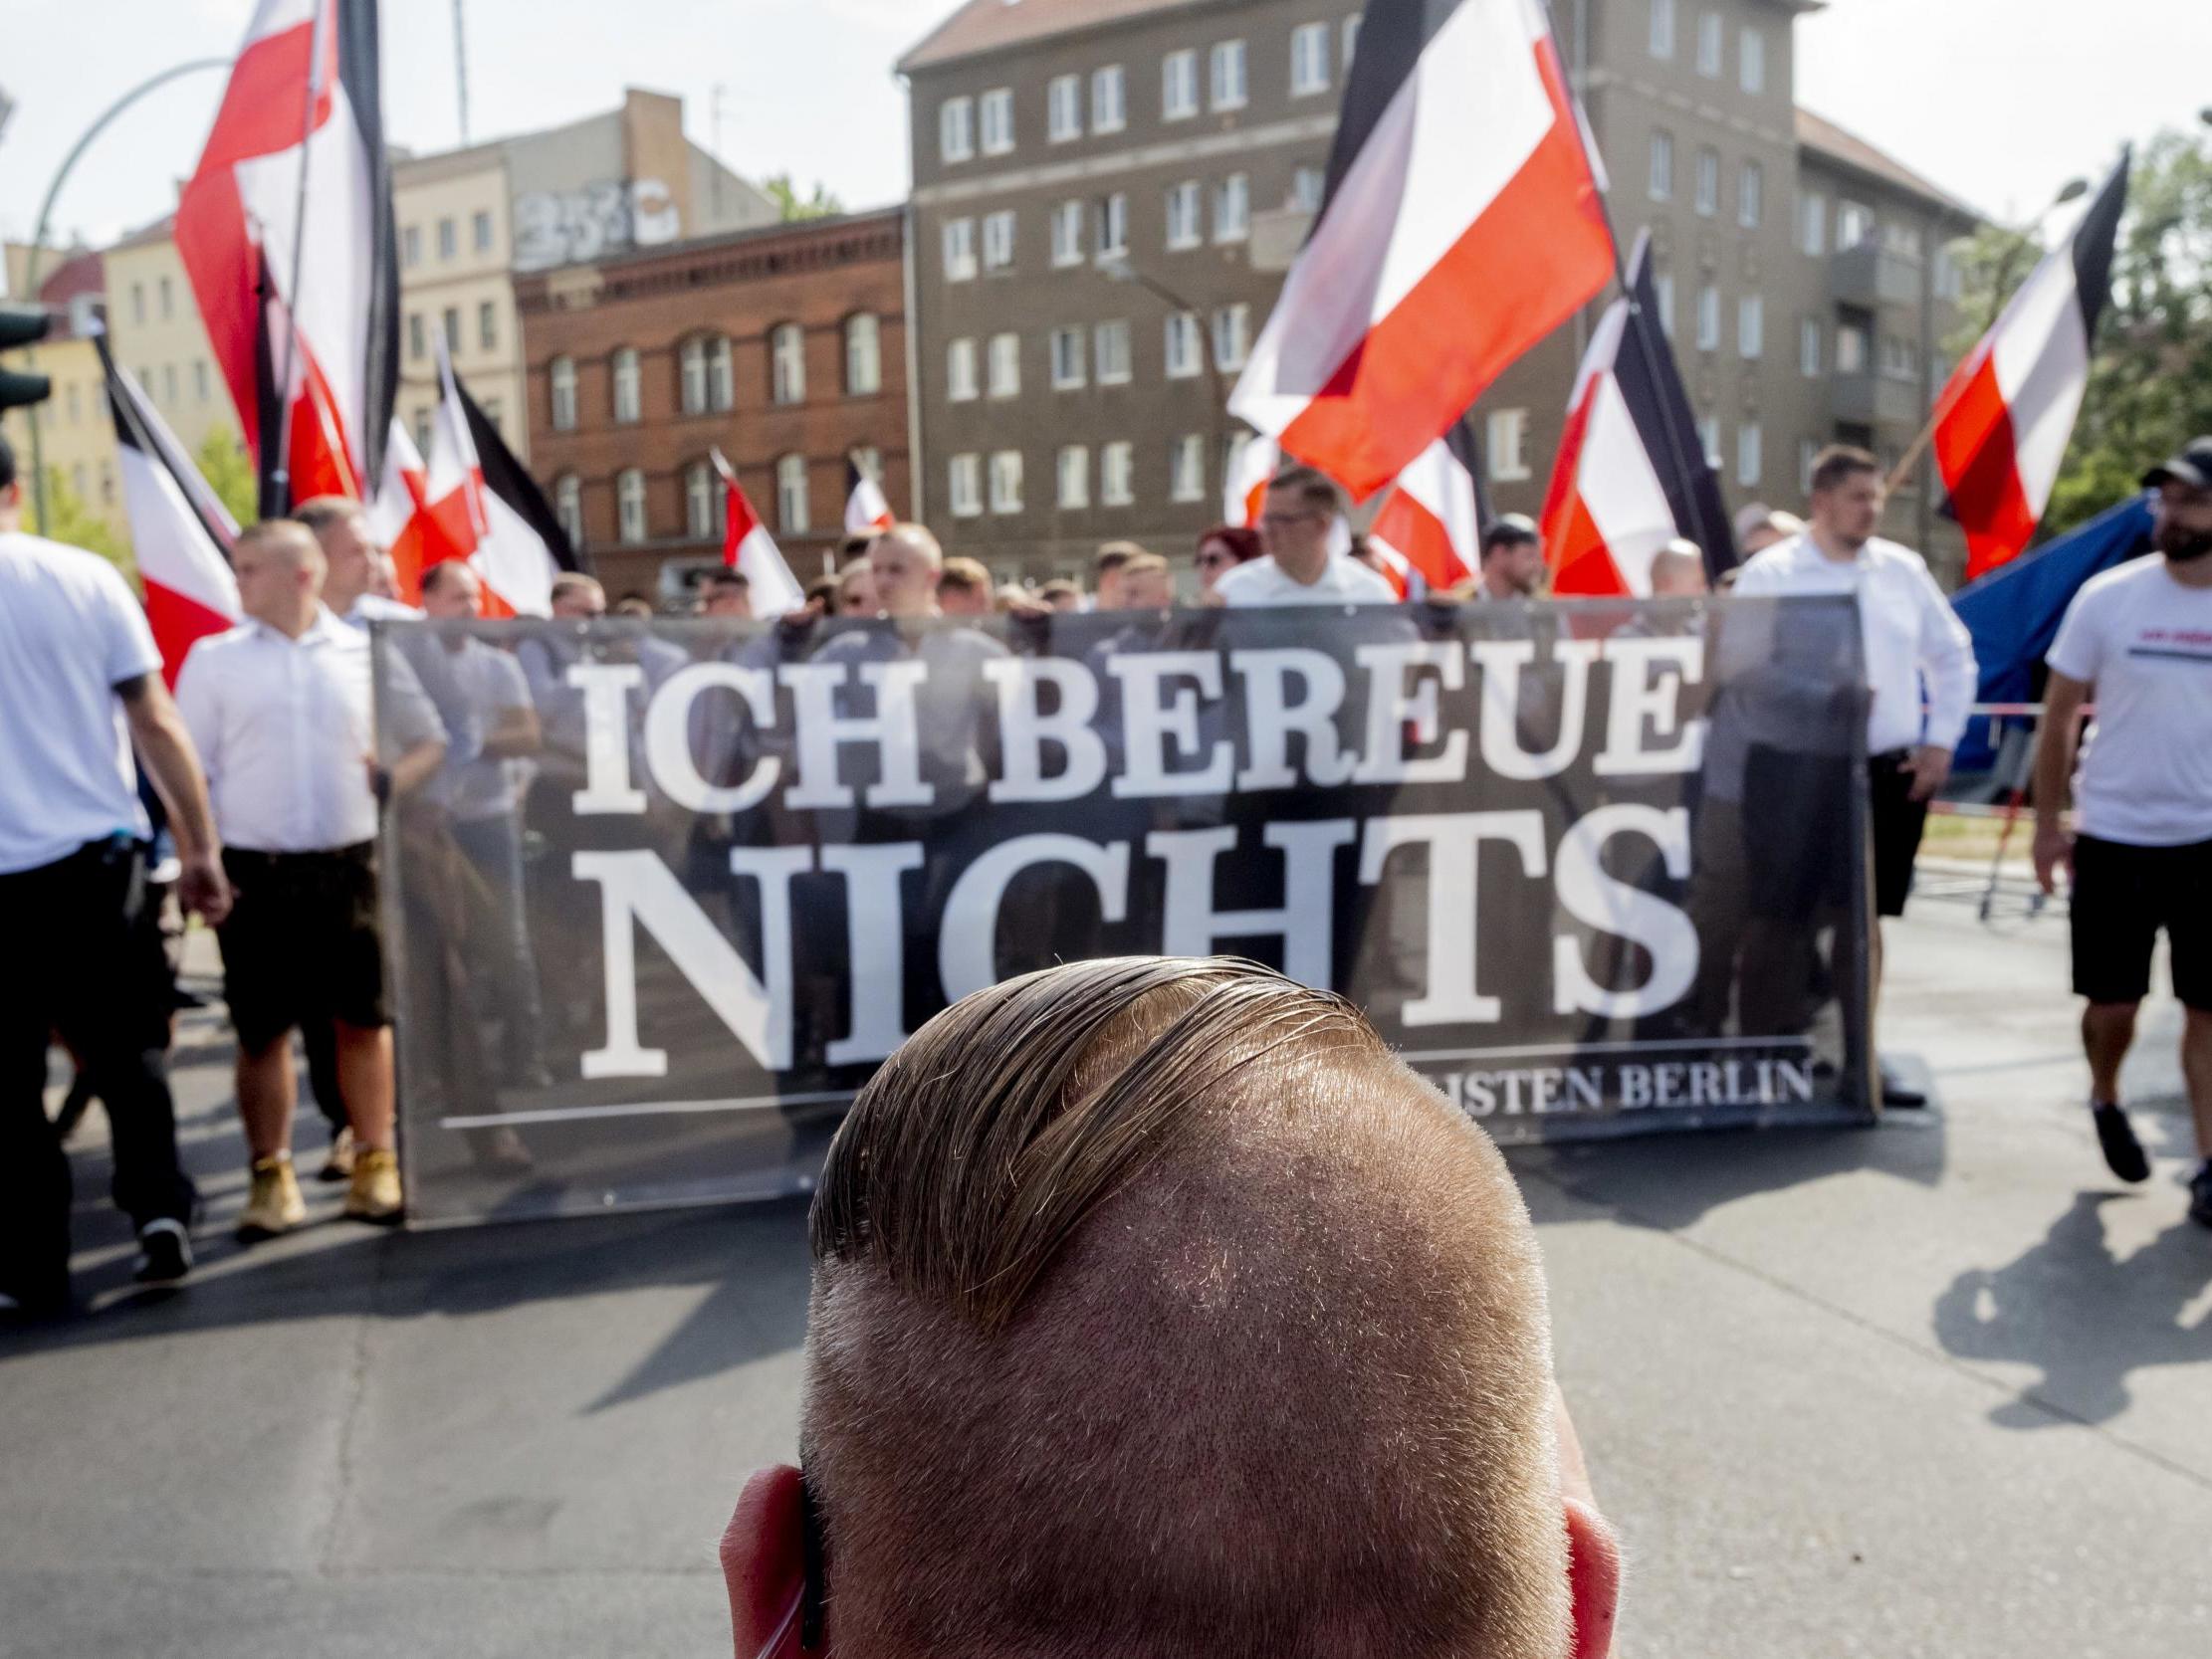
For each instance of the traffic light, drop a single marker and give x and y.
(23, 325)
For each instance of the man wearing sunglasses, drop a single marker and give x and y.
(1158, 1309)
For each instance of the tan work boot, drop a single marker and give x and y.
(273, 1204)
(339, 1164)
(374, 1194)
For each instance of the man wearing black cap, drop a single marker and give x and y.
(2139, 640)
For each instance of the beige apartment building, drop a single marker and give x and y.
(76, 440)
(154, 329)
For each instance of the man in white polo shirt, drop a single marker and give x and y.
(279, 710)
(1299, 567)
(80, 685)
(2140, 641)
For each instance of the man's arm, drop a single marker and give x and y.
(2063, 701)
(165, 747)
(1947, 663)
(515, 731)
(415, 767)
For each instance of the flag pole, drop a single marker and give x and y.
(280, 474)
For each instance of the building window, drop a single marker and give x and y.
(787, 363)
(1006, 481)
(998, 241)
(1950, 281)
(200, 388)
(1351, 40)
(1900, 358)
(1179, 86)
(998, 122)
(422, 432)
(168, 300)
(1902, 238)
(1751, 69)
(691, 363)
(1068, 369)
(1662, 28)
(1063, 109)
(1751, 196)
(1117, 465)
(1109, 99)
(1307, 188)
(1509, 444)
(1228, 76)
(1712, 37)
(487, 325)
(956, 129)
(1854, 223)
(1662, 166)
(701, 499)
(1811, 225)
(1309, 60)
(1751, 326)
(1068, 234)
(968, 485)
(568, 507)
(1184, 350)
(1112, 350)
(1186, 468)
(863, 356)
(1074, 476)
(794, 513)
(960, 371)
(1709, 182)
(1232, 336)
(1232, 208)
(495, 412)
(1113, 227)
(1663, 285)
(565, 394)
(1811, 343)
(629, 500)
(137, 301)
(448, 238)
(1851, 348)
(628, 404)
(168, 384)
(1709, 439)
(411, 248)
(722, 374)
(1006, 366)
(479, 232)
(1808, 453)
(1708, 318)
(960, 250)
(1183, 215)
(418, 339)
(1750, 454)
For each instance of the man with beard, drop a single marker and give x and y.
(2139, 639)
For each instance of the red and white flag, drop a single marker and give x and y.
(749, 549)
(2003, 423)
(296, 277)
(1462, 223)
(866, 512)
(1245, 492)
(1431, 524)
(179, 529)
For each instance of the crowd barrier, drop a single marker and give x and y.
(1594, 867)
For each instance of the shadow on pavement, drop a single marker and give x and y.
(2088, 1319)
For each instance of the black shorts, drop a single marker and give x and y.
(1899, 822)
(302, 942)
(2122, 896)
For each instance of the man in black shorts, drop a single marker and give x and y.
(2139, 640)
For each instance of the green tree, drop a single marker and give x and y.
(223, 462)
(69, 520)
(2151, 382)
(820, 205)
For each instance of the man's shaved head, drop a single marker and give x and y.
(1159, 1310)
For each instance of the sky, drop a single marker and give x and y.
(2000, 102)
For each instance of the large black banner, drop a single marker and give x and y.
(1594, 868)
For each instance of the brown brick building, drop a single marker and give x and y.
(785, 347)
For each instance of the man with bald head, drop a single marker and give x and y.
(1679, 572)
(1159, 1310)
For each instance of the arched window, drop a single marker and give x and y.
(627, 404)
(722, 379)
(692, 360)
(788, 349)
(793, 514)
(863, 356)
(629, 499)
(702, 502)
(565, 394)
(568, 507)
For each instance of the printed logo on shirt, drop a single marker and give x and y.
(2185, 645)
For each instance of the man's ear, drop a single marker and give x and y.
(1593, 1579)
(764, 1559)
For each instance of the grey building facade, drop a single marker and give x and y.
(1106, 192)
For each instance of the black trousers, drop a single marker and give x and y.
(76, 956)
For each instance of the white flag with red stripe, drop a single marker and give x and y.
(1431, 524)
(2004, 420)
(1462, 222)
(866, 512)
(1254, 460)
(749, 549)
(179, 529)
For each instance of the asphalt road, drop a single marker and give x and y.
(1941, 1388)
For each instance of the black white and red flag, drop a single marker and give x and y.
(2004, 420)
(866, 512)
(1463, 220)
(180, 530)
(1430, 528)
(1633, 473)
(286, 225)
(749, 549)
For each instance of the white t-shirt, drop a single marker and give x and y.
(69, 633)
(2144, 642)
(1343, 582)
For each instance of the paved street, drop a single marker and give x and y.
(1938, 1389)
